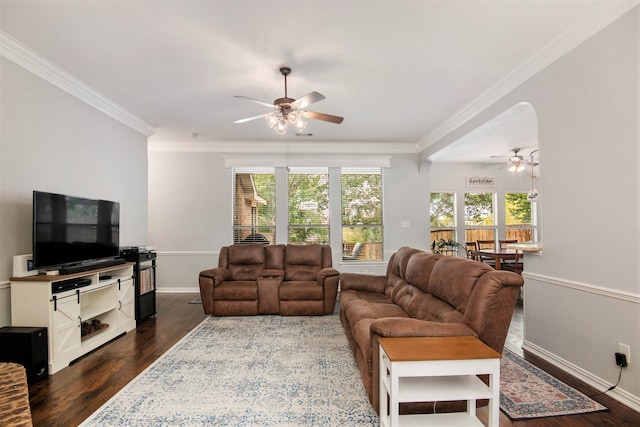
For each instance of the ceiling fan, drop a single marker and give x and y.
(289, 111)
(517, 163)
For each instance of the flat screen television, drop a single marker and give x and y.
(70, 230)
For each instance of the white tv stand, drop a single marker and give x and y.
(109, 299)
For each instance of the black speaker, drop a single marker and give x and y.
(28, 347)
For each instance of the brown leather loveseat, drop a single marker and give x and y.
(424, 295)
(251, 279)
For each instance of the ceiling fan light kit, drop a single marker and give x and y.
(289, 111)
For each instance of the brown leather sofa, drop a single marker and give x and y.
(251, 279)
(424, 295)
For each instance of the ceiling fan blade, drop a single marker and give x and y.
(322, 116)
(308, 99)
(248, 119)
(266, 104)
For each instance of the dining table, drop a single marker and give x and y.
(499, 255)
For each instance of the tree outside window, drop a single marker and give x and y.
(308, 190)
(442, 216)
(518, 217)
(479, 216)
(362, 228)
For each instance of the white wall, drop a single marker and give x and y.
(582, 296)
(190, 213)
(51, 141)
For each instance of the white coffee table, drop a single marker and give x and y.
(433, 369)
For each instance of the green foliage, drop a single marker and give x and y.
(362, 205)
(308, 207)
(442, 210)
(265, 185)
(478, 208)
(518, 208)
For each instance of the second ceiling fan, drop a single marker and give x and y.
(289, 111)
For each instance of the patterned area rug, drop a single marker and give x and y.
(289, 371)
(528, 392)
(248, 371)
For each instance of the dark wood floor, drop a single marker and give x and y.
(69, 396)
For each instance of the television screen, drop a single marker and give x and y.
(70, 230)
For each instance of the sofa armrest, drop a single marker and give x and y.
(363, 282)
(272, 273)
(217, 275)
(409, 327)
(326, 272)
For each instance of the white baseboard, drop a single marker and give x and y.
(594, 381)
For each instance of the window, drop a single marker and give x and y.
(518, 219)
(362, 230)
(442, 216)
(308, 190)
(479, 216)
(254, 205)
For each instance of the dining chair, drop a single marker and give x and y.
(486, 244)
(472, 250)
(516, 264)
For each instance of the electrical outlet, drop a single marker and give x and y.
(626, 350)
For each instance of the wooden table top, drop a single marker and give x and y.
(411, 349)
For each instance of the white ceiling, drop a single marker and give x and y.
(396, 70)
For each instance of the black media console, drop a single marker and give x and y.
(144, 271)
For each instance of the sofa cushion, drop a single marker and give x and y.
(295, 290)
(246, 262)
(409, 297)
(234, 291)
(436, 310)
(419, 268)
(398, 262)
(302, 262)
(453, 279)
(364, 309)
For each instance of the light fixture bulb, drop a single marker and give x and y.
(300, 125)
(271, 119)
(512, 168)
(520, 168)
(293, 117)
(281, 127)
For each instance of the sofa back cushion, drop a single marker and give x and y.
(275, 257)
(419, 268)
(453, 279)
(246, 261)
(302, 262)
(398, 261)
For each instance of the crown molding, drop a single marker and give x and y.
(321, 148)
(35, 63)
(600, 16)
(300, 160)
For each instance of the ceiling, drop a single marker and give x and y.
(396, 70)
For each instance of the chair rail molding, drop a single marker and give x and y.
(35, 63)
(592, 289)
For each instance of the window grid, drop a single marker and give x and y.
(254, 205)
(308, 190)
(362, 214)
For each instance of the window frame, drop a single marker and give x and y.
(369, 251)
